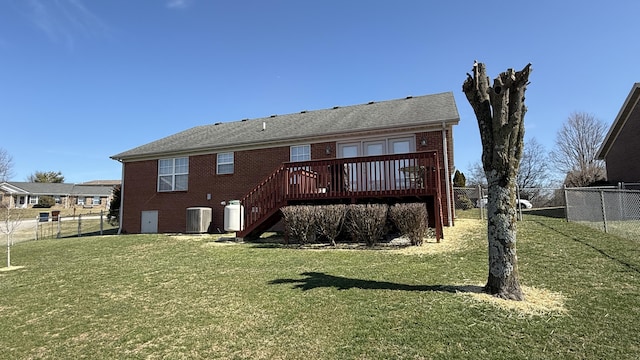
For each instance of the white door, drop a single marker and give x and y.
(350, 150)
(374, 171)
(401, 146)
(149, 222)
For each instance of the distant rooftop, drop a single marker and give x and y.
(102, 182)
(34, 188)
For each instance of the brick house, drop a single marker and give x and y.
(391, 151)
(27, 194)
(621, 147)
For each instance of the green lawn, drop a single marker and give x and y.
(155, 296)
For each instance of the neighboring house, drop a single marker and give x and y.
(27, 194)
(621, 147)
(390, 151)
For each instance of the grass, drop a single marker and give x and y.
(32, 213)
(68, 228)
(178, 297)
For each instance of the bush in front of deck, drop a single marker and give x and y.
(366, 223)
(329, 221)
(411, 220)
(300, 222)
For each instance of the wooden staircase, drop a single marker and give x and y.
(368, 179)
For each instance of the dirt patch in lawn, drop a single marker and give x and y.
(539, 302)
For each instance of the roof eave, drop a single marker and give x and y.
(434, 124)
(629, 104)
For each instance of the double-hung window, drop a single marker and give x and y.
(225, 163)
(300, 153)
(96, 200)
(173, 174)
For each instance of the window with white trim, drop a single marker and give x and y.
(80, 200)
(300, 153)
(225, 163)
(96, 200)
(173, 174)
(33, 200)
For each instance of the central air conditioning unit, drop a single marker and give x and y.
(198, 220)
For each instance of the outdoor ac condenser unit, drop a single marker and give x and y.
(198, 219)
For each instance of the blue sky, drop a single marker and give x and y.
(82, 80)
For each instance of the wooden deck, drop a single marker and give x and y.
(370, 179)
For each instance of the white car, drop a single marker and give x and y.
(522, 203)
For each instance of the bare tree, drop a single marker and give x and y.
(500, 111)
(533, 172)
(9, 225)
(576, 147)
(476, 175)
(534, 166)
(6, 165)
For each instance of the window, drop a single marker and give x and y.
(96, 200)
(225, 163)
(56, 198)
(173, 174)
(300, 153)
(80, 200)
(33, 200)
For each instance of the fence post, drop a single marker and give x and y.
(518, 207)
(480, 202)
(566, 203)
(59, 227)
(79, 224)
(101, 215)
(604, 214)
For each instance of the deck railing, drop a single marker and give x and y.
(400, 175)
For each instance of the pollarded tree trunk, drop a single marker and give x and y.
(500, 111)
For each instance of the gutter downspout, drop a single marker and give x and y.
(120, 211)
(447, 184)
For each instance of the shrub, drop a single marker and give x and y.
(329, 220)
(464, 202)
(366, 222)
(300, 222)
(411, 220)
(45, 202)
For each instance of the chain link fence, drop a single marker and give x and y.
(615, 211)
(470, 202)
(50, 227)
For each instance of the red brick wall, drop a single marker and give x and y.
(251, 167)
(319, 150)
(433, 141)
(140, 193)
(623, 159)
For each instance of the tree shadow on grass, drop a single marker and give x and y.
(316, 280)
(113, 231)
(583, 242)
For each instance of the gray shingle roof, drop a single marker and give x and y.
(411, 111)
(34, 188)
